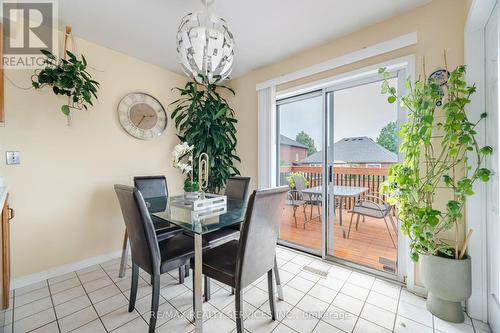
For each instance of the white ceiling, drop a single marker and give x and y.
(264, 30)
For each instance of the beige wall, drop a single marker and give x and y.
(66, 209)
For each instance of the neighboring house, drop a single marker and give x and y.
(355, 152)
(291, 151)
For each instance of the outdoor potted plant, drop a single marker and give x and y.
(182, 159)
(291, 181)
(440, 151)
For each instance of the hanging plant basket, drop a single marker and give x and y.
(67, 77)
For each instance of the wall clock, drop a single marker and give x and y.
(142, 116)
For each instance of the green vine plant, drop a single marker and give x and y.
(434, 153)
(68, 78)
(205, 120)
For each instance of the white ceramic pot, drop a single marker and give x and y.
(448, 282)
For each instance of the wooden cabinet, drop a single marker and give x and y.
(7, 215)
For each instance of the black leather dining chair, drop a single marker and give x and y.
(237, 188)
(152, 187)
(239, 263)
(153, 256)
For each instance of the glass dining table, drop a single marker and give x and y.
(198, 224)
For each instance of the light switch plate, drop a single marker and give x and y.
(13, 157)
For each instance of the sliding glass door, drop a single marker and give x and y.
(300, 139)
(362, 145)
(335, 147)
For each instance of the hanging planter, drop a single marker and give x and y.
(67, 77)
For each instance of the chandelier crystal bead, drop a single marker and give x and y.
(205, 46)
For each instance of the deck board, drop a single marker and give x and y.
(365, 246)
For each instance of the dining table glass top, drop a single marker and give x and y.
(197, 222)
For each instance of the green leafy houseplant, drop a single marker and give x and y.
(191, 186)
(205, 120)
(68, 78)
(437, 142)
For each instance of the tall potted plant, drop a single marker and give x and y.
(438, 142)
(205, 121)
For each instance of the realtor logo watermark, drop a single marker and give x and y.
(28, 27)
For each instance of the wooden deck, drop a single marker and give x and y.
(366, 246)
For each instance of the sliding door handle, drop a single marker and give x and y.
(11, 213)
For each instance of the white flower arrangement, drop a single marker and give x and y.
(179, 153)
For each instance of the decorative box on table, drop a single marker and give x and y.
(207, 205)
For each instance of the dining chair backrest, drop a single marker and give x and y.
(140, 230)
(300, 182)
(259, 235)
(151, 186)
(237, 188)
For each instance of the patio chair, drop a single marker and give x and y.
(295, 199)
(313, 200)
(373, 206)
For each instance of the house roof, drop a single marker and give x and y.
(284, 140)
(355, 150)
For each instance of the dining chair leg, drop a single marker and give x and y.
(232, 291)
(133, 289)
(239, 310)
(181, 275)
(270, 290)
(389, 231)
(281, 297)
(155, 300)
(350, 225)
(186, 267)
(123, 261)
(206, 281)
(305, 213)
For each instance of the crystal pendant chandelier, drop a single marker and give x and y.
(205, 46)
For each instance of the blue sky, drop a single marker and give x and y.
(358, 111)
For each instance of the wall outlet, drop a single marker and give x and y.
(13, 157)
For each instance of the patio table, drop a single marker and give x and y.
(339, 191)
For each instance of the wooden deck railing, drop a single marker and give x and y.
(370, 178)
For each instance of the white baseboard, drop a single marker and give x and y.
(60, 270)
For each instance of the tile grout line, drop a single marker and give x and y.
(397, 308)
(305, 294)
(329, 304)
(91, 303)
(53, 306)
(116, 285)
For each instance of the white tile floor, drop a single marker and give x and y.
(95, 300)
